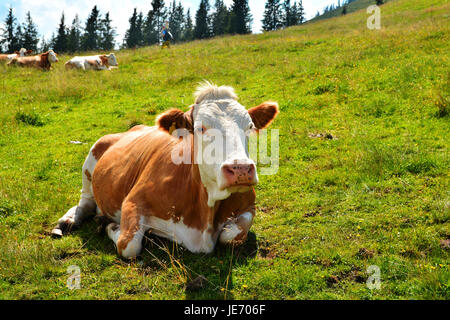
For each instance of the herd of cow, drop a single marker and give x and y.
(131, 181)
(44, 61)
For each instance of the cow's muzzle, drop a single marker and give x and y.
(239, 174)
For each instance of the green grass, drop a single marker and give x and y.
(364, 167)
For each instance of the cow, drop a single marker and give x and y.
(99, 62)
(42, 61)
(133, 180)
(21, 53)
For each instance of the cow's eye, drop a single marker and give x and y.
(201, 129)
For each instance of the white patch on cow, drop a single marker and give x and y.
(52, 57)
(83, 62)
(112, 60)
(133, 247)
(217, 110)
(235, 227)
(192, 239)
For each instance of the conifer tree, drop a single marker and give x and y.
(89, 40)
(60, 44)
(30, 34)
(220, 18)
(273, 16)
(74, 36)
(202, 30)
(241, 18)
(8, 37)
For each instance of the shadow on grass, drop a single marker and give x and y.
(203, 276)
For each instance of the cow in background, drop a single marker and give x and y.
(21, 53)
(42, 61)
(98, 62)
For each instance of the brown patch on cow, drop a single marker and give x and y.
(263, 115)
(175, 119)
(93, 63)
(104, 144)
(104, 60)
(40, 61)
(3, 57)
(88, 175)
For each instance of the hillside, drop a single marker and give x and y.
(364, 167)
(356, 5)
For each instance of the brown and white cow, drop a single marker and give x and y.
(99, 62)
(21, 53)
(42, 61)
(135, 181)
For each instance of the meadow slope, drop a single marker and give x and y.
(364, 167)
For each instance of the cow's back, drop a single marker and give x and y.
(121, 160)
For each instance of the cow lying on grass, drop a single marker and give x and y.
(132, 179)
(21, 53)
(99, 62)
(42, 61)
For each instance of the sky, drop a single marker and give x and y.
(46, 14)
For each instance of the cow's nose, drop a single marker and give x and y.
(239, 174)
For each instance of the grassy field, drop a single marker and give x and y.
(364, 164)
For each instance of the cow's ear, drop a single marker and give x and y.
(263, 115)
(175, 119)
(16, 52)
(29, 51)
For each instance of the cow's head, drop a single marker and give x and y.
(112, 60)
(221, 126)
(51, 56)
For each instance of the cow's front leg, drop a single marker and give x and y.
(236, 230)
(128, 235)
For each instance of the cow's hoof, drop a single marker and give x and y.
(57, 233)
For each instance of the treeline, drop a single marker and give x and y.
(98, 33)
(279, 14)
(207, 22)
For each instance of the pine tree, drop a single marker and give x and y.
(89, 40)
(131, 36)
(154, 22)
(299, 12)
(241, 18)
(8, 37)
(273, 16)
(188, 32)
(202, 30)
(289, 18)
(344, 10)
(19, 38)
(61, 36)
(74, 36)
(44, 45)
(220, 18)
(108, 34)
(379, 2)
(30, 34)
(176, 20)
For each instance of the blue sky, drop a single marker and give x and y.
(46, 13)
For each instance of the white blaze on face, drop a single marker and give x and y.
(22, 52)
(52, 56)
(112, 61)
(221, 126)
